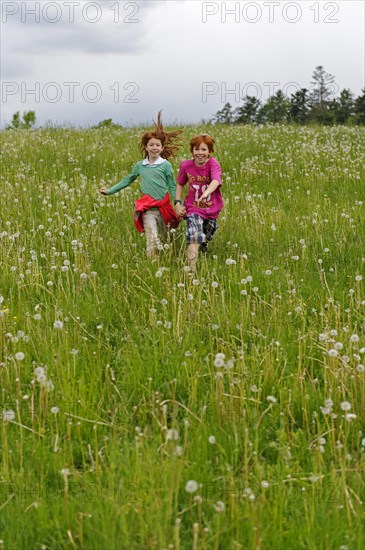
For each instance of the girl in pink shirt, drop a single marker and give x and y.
(203, 202)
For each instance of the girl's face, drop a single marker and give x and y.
(201, 154)
(154, 148)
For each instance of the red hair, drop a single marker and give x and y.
(166, 139)
(202, 138)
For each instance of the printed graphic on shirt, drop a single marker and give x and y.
(197, 191)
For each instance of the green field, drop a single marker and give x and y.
(122, 428)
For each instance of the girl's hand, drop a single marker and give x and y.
(180, 210)
(102, 190)
(202, 198)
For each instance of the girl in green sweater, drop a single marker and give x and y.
(153, 211)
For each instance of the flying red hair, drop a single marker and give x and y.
(167, 139)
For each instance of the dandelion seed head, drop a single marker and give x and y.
(8, 415)
(219, 506)
(172, 435)
(271, 399)
(191, 486)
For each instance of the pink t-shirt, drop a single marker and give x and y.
(198, 179)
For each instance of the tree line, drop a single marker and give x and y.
(316, 105)
(304, 106)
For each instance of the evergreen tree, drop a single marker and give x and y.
(322, 90)
(224, 116)
(343, 106)
(276, 109)
(247, 113)
(299, 106)
(359, 108)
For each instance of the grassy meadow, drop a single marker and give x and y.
(144, 406)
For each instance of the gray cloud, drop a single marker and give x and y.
(122, 29)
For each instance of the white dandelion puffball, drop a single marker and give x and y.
(191, 486)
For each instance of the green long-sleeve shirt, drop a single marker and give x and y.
(156, 180)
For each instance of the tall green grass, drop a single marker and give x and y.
(114, 395)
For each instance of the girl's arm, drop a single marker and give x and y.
(181, 180)
(216, 173)
(210, 189)
(128, 180)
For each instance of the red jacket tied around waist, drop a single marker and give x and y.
(146, 203)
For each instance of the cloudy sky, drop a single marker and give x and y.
(79, 62)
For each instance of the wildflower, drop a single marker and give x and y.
(211, 439)
(191, 486)
(358, 278)
(39, 371)
(65, 472)
(360, 368)
(55, 410)
(19, 356)
(338, 346)
(8, 416)
(219, 506)
(214, 284)
(350, 416)
(230, 261)
(332, 352)
(172, 435)
(345, 406)
(158, 274)
(229, 364)
(178, 450)
(219, 361)
(354, 338)
(265, 484)
(37, 316)
(271, 399)
(58, 325)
